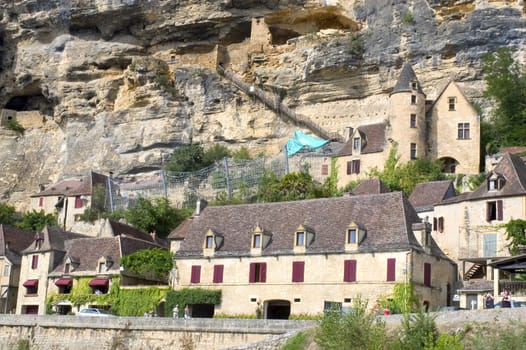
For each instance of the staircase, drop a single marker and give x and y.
(273, 101)
(474, 269)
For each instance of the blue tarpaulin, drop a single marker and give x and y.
(301, 140)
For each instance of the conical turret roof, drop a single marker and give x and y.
(405, 80)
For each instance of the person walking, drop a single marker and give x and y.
(175, 311)
(186, 312)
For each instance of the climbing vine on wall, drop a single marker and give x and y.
(190, 296)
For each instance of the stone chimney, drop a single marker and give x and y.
(200, 206)
(422, 232)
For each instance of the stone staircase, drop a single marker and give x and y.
(273, 101)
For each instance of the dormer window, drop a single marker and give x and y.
(102, 267)
(104, 264)
(260, 240)
(414, 85)
(213, 242)
(303, 238)
(70, 264)
(67, 268)
(495, 182)
(354, 235)
(356, 144)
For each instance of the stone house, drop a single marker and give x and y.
(426, 194)
(70, 198)
(469, 226)
(93, 264)
(441, 129)
(12, 242)
(293, 258)
(38, 259)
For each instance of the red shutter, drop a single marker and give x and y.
(298, 271)
(41, 202)
(357, 166)
(325, 169)
(349, 271)
(488, 211)
(499, 210)
(427, 274)
(263, 272)
(252, 273)
(196, 274)
(349, 167)
(218, 273)
(78, 202)
(391, 265)
(34, 262)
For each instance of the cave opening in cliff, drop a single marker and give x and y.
(237, 34)
(32, 100)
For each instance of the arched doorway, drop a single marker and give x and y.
(277, 309)
(449, 165)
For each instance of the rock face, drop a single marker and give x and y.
(116, 85)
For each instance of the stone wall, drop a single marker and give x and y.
(86, 333)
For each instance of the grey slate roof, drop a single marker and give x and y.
(387, 218)
(373, 136)
(52, 239)
(427, 194)
(13, 241)
(403, 84)
(370, 186)
(74, 187)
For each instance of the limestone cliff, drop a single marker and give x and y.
(115, 85)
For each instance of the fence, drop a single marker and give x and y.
(224, 179)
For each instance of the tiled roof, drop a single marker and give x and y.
(386, 217)
(16, 239)
(371, 186)
(403, 84)
(73, 187)
(52, 239)
(513, 169)
(430, 193)
(373, 136)
(119, 228)
(180, 231)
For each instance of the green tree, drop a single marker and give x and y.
(36, 221)
(154, 262)
(186, 158)
(155, 215)
(241, 153)
(8, 215)
(97, 208)
(404, 177)
(515, 234)
(214, 153)
(506, 86)
(268, 188)
(418, 332)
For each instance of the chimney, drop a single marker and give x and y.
(200, 206)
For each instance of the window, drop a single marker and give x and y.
(494, 210)
(356, 144)
(196, 274)
(490, 245)
(353, 167)
(435, 224)
(349, 270)
(102, 267)
(413, 151)
(414, 85)
(78, 202)
(451, 102)
(67, 267)
(298, 271)
(257, 241)
(209, 242)
(427, 274)
(495, 183)
(218, 274)
(440, 227)
(325, 169)
(413, 121)
(351, 236)
(257, 273)
(31, 286)
(300, 238)
(463, 131)
(413, 99)
(34, 262)
(391, 272)
(6, 270)
(41, 202)
(77, 217)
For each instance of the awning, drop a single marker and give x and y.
(99, 282)
(30, 283)
(63, 282)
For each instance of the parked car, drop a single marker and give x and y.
(92, 311)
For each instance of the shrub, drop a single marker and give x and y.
(14, 125)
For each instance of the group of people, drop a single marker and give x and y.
(489, 300)
(175, 311)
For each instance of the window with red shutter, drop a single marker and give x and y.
(325, 169)
(298, 271)
(41, 202)
(349, 167)
(78, 202)
(499, 210)
(349, 271)
(196, 274)
(34, 262)
(427, 274)
(218, 273)
(257, 273)
(391, 272)
(435, 226)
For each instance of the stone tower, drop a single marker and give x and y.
(407, 116)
